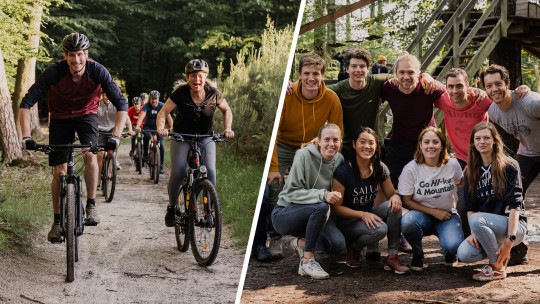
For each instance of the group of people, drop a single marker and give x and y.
(343, 194)
(84, 99)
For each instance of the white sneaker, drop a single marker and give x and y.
(118, 167)
(312, 269)
(299, 251)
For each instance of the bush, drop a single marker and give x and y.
(253, 89)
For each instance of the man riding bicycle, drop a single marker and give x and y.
(133, 114)
(73, 87)
(106, 117)
(197, 100)
(150, 112)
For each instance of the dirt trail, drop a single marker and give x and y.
(130, 257)
(278, 281)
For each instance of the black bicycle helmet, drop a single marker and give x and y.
(154, 94)
(75, 42)
(136, 100)
(196, 65)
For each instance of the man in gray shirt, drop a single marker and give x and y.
(522, 120)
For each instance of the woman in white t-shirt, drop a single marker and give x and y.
(427, 185)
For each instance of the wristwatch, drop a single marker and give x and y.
(512, 237)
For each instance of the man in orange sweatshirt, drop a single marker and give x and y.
(305, 111)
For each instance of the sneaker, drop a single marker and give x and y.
(262, 254)
(450, 260)
(299, 251)
(394, 263)
(55, 234)
(354, 257)
(489, 274)
(276, 248)
(118, 166)
(312, 269)
(91, 216)
(417, 263)
(170, 219)
(161, 171)
(518, 255)
(404, 246)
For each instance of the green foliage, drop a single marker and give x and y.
(24, 204)
(238, 182)
(253, 89)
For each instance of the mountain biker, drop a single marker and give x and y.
(144, 99)
(196, 101)
(106, 117)
(133, 114)
(148, 115)
(73, 87)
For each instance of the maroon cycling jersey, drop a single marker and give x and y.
(69, 99)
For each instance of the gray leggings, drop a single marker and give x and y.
(179, 162)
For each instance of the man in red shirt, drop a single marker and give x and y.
(133, 114)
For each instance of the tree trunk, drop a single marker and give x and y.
(11, 145)
(26, 71)
(320, 32)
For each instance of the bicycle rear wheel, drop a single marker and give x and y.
(181, 227)
(70, 233)
(205, 227)
(157, 163)
(110, 177)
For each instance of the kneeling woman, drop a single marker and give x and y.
(360, 222)
(303, 207)
(426, 185)
(494, 204)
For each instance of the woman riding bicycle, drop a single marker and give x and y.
(196, 100)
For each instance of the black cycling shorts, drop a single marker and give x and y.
(62, 132)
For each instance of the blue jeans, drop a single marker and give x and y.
(415, 225)
(358, 234)
(490, 231)
(311, 222)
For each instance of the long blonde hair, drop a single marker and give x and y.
(499, 161)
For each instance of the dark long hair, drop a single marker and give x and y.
(499, 161)
(374, 161)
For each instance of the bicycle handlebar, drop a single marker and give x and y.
(51, 148)
(217, 137)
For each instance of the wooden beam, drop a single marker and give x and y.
(331, 17)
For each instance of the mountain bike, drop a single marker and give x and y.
(138, 153)
(198, 212)
(154, 160)
(108, 173)
(71, 209)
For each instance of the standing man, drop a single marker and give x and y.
(150, 111)
(73, 87)
(305, 111)
(522, 120)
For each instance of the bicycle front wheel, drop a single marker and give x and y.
(157, 162)
(138, 157)
(205, 226)
(151, 164)
(110, 178)
(181, 227)
(70, 233)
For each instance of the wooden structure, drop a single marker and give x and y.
(468, 36)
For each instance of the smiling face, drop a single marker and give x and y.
(483, 141)
(196, 80)
(496, 88)
(154, 102)
(365, 145)
(329, 142)
(311, 78)
(431, 146)
(357, 69)
(407, 74)
(77, 62)
(457, 89)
